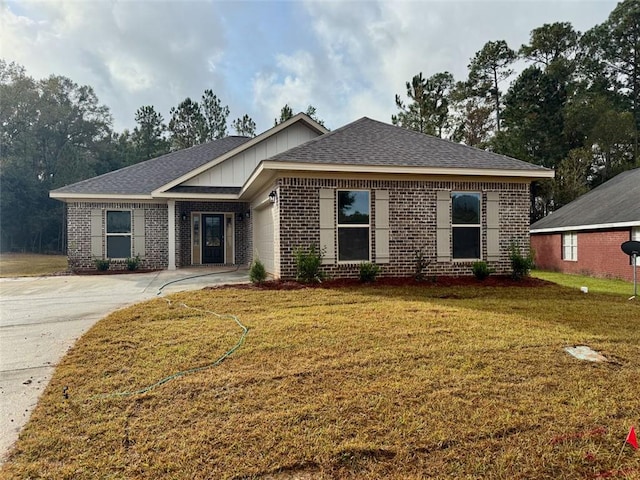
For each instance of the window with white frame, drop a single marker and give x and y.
(570, 246)
(118, 233)
(635, 235)
(353, 225)
(466, 225)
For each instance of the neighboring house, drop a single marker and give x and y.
(584, 236)
(365, 192)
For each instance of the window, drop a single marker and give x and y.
(465, 225)
(118, 234)
(635, 235)
(353, 225)
(570, 246)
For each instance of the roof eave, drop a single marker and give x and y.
(199, 196)
(66, 196)
(410, 170)
(594, 226)
(267, 170)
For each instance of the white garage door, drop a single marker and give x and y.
(263, 237)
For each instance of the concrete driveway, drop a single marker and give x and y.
(41, 317)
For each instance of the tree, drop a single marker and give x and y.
(488, 68)
(53, 132)
(244, 126)
(551, 43)
(214, 115)
(533, 119)
(612, 50)
(472, 121)
(312, 112)
(572, 176)
(428, 111)
(148, 136)
(285, 114)
(187, 125)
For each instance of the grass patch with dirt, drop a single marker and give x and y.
(31, 264)
(366, 382)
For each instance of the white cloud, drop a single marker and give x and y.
(348, 59)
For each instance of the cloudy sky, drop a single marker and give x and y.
(347, 58)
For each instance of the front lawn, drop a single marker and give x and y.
(368, 382)
(599, 285)
(31, 264)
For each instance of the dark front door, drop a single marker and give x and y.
(212, 238)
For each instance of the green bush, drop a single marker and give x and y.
(133, 263)
(308, 264)
(368, 272)
(520, 265)
(421, 263)
(481, 270)
(257, 272)
(102, 264)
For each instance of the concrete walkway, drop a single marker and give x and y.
(42, 317)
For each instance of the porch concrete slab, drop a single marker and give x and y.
(42, 317)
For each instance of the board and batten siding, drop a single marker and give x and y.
(234, 171)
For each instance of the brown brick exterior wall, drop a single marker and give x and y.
(79, 234)
(412, 213)
(599, 254)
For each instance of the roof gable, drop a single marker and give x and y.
(151, 178)
(143, 178)
(616, 201)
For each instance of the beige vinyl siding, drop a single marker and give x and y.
(138, 233)
(493, 226)
(96, 233)
(263, 237)
(443, 225)
(382, 226)
(234, 171)
(328, 225)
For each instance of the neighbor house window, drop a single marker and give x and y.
(465, 225)
(353, 225)
(570, 246)
(118, 234)
(635, 235)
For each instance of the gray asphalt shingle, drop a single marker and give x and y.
(145, 177)
(615, 201)
(370, 142)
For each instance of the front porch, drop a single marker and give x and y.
(209, 233)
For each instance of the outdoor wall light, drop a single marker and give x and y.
(273, 196)
(184, 217)
(247, 214)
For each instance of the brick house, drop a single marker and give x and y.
(584, 236)
(365, 192)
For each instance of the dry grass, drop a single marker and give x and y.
(31, 264)
(349, 383)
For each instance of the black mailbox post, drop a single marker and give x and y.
(632, 248)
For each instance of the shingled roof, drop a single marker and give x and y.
(616, 201)
(368, 142)
(145, 177)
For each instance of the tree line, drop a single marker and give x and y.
(575, 107)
